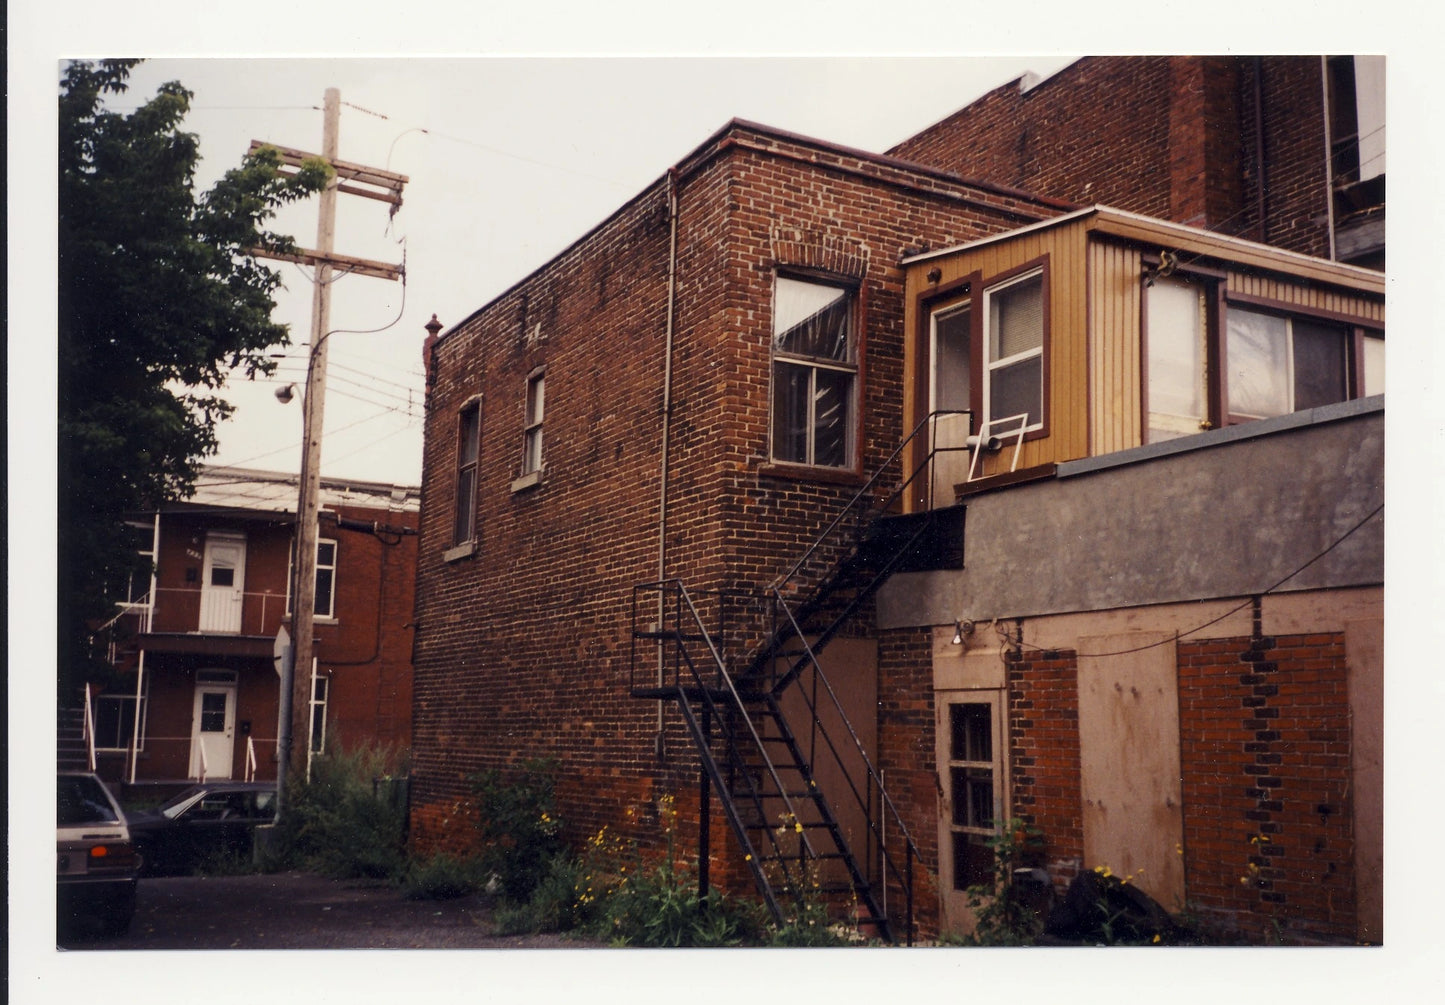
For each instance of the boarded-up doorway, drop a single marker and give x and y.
(1129, 752)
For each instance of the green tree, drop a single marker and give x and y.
(160, 298)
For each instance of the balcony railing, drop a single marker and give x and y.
(180, 610)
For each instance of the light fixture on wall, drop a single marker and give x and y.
(962, 629)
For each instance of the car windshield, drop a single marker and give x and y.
(176, 805)
(81, 799)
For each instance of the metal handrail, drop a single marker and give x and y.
(724, 678)
(929, 422)
(87, 729)
(874, 827)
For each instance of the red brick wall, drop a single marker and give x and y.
(1045, 771)
(1267, 812)
(1167, 136)
(367, 653)
(906, 758)
(524, 647)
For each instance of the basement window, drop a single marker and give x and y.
(815, 372)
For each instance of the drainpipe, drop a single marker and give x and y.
(666, 422)
(1329, 155)
(1262, 181)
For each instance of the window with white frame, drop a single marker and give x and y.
(534, 412)
(114, 716)
(325, 605)
(815, 370)
(975, 788)
(469, 439)
(1014, 353)
(320, 691)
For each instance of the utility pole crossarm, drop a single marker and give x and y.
(345, 263)
(345, 170)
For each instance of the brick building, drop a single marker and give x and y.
(194, 645)
(696, 490)
(1284, 150)
(1167, 625)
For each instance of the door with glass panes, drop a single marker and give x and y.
(970, 735)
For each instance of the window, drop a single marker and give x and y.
(814, 374)
(320, 689)
(1178, 387)
(974, 789)
(1212, 358)
(952, 354)
(1014, 341)
(532, 427)
(1279, 364)
(469, 433)
(325, 604)
(114, 717)
(138, 586)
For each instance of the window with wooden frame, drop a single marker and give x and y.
(469, 438)
(975, 785)
(533, 413)
(1212, 358)
(1014, 313)
(815, 373)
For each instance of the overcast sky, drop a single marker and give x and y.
(520, 157)
(509, 161)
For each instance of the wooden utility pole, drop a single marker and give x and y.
(294, 715)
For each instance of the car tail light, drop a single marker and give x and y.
(119, 857)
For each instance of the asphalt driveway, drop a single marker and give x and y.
(295, 910)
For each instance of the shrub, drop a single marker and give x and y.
(1005, 916)
(338, 824)
(520, 829)
(443, 877)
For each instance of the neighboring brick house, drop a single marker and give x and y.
(1284, 150)
(695, 467)
(194, 645)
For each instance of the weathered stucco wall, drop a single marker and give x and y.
(1225, 514)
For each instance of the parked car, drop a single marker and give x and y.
(204, 826)
(96, 864)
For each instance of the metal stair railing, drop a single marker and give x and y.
(855, 517)
(863, 799)
(731, 711)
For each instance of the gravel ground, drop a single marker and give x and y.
(295, 910)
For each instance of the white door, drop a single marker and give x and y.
(222, 583)
(213, 730)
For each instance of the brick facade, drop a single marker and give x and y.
(1175, 137)
(524, 641)
(1267, 808)
(1264, 757)
(363, 649)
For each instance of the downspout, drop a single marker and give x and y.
(1329, 155)
(1262, 181)
(666, 425)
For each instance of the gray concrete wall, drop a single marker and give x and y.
(1226, 513)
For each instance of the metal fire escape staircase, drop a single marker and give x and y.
(769, 728)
